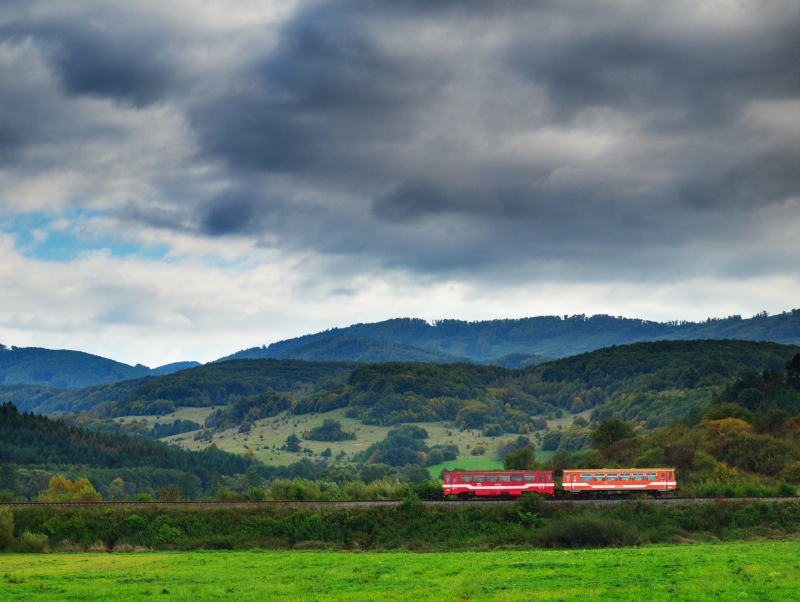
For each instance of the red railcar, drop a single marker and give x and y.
(620, 480)
(498, 483)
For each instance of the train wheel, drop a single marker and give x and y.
(465, 496)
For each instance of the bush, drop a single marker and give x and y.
(429, 490)
(478, 450)
(409, 430)
(6, 496)
(492, 430)
(331, 430)
(144, 497)
(522, 459)
(6, 529)
(34, 543)
(587, 531)
(170, 493)
(256, 494)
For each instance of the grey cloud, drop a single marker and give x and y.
(109, 52)
(462, 135)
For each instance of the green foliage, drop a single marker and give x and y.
(6, 529)
(293, 443)
(32, 543)
(513, 445)
(160, 431)
(759, 392)
(513, 342)
(61, 368)
(609, 432)
(409, 430)
(31, 439)
(331, 430)
(522, 459)
(492, 430)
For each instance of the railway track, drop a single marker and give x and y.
(243, 504)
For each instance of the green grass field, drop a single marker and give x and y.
(760, 570)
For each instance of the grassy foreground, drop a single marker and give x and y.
(721, 571)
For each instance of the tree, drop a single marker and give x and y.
(793, 372)
(609, 432)
(170, 493)
(522, 459)
(9, 477)
(6, 529)
(293, 443)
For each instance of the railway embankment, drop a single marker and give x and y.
(387, 525)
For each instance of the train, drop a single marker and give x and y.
(580, 482)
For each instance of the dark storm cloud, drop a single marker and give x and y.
(447, 135)
(107, 52)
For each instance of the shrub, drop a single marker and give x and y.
(429, 490)
(6, 496)
(512, 445)
(33, 543)
(492, 430)
(144, 497)
(409, 430)
(522, 459)
(478, 450)
(256, 494)
(170, 493)
(331, 430)
(587, 531)
(6, 529)
(551, 440)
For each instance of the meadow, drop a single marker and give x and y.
(765, 570)
(270, 433)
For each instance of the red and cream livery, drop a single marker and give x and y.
(498, 483)
(620, 480)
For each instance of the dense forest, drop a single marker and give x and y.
(548, 336)
(65, 369)
(34, 440)
(203, 386)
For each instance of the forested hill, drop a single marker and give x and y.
(69, 369)
(207, 385)
(549, 336)
(28, 439)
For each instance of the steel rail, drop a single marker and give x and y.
(248, 504)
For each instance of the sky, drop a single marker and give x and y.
(183, 179)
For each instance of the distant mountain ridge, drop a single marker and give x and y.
(521, 342)
(65, 369)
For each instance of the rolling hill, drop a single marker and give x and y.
(64, 369)
(495, 340)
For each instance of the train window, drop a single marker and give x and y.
(479, 478)
(491, 478)
(670, 476)
(599, 477)
(638, 476)
(612, 477)
(624, 476)
(586, 477)
(466, 478)
(505, 478)
(517, 478)
(447, 478)
(530, 478)
(650, 476)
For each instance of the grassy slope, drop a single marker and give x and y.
(763, 570)
(276, 430)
